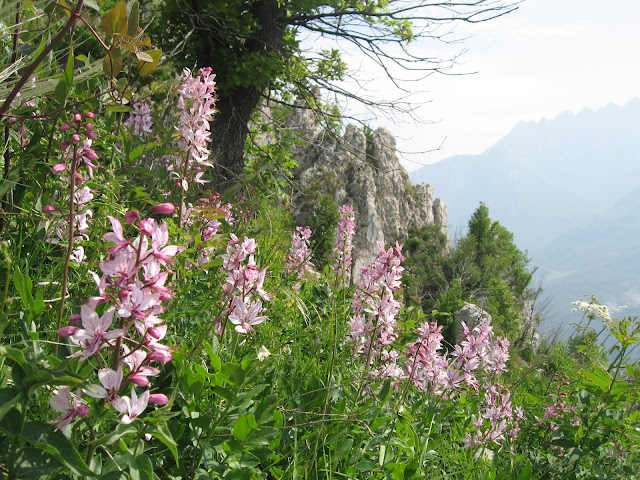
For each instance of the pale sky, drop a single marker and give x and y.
(546, 57)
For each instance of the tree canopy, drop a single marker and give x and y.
(484, 267)
(256, 49)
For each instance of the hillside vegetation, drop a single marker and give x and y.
(153, 329)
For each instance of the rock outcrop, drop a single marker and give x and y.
(362, 171)
(365, 173)
(471, 315)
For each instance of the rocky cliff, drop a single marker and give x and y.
(363, 171)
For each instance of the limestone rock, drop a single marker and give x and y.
(366, 174)
(471, 315)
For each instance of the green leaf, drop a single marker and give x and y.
(43, 377)
(39, 305)
(42, 436)
(215, 359)
(225, 393)
(161, 431)
(344, 447)
(34, 463)
(525, 474)
(396, 469)
(599, 377)
(116, 20)
(140, 149)
(23, 286)
(8, 398)
(92, 4)
(134, 16)
(261, 437)
(18, 357)
(243, 426)
(147, 67)
(66, 80)
(232, 373)
(113, 62)
(119, 108)
(144, 56)
(365, 466)
(241, 460)
(140, 467)
(120, 431)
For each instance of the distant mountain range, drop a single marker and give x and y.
(569, 190)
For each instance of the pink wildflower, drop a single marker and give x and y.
(343, 243)
(132, 406)
(70, 407)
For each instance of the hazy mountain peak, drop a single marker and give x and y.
(554, 183)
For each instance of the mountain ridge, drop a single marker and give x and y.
(561, 186)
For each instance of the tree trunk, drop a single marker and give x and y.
(229, 129)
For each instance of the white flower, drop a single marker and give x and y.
(263, 353)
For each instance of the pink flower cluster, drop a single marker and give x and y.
(139, 120)
(78, 151)
(561, 407)
(203, 219)
(479, 352)
(243, 281)
(372, 327)
(426, 366)
(497, 418)
(133, 281)
(298, 260)
(341, 257)
(196, 102)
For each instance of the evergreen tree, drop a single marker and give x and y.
(485, 267)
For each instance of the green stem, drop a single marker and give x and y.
(7, 129)
(6, 260)
(92, 448)
(65, 272)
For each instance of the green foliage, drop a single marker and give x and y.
(322, 223)
(484, 267)
(289, 400)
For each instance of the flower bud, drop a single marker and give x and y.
(139, 380)
(163, 209)
(92, 136)
(90, 115)
(58, 168)
(124, 295)
(89, 153)
(64, 145)
(75, 318)
(160, 356)
(49, 208)
(64, 127)
(155, 333)
(165, 296)
(158, 398)
(77, 117)
(82, 410)
(131, 216)
(67, 331)
(88, 126)
(75, 138)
